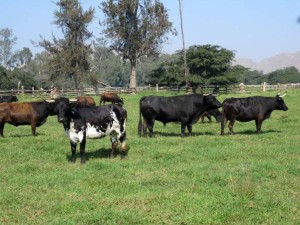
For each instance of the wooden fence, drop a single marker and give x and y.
(205, 89)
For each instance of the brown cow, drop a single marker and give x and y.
(85, 100)
(111, 97)
(25, 113)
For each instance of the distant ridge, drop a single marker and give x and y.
(271, 64)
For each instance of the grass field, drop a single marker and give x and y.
(202, 179)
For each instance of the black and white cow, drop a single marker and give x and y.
(82, 122)
(186, 109)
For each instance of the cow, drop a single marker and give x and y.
(212, 112)
(111, 97)
(82, 122)
(186, 109)
(85, 100)
(256, 108)
(25, 113)
(8, 98)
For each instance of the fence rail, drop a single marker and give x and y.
(216, 89)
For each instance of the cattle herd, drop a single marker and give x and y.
(82, 119)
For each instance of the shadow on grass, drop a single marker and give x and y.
(166, 134)
(253, 132)
(100, 153)
(25, 135)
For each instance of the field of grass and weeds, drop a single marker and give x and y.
(203, 179)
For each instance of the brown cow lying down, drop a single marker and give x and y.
(111, 97)
(25, 113)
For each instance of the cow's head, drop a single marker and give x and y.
(14, 98)
(279, 103)
(62, 108)
(120, 101)
(211, 101)
(217, 114)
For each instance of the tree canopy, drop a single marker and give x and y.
(135, 28)
(69, 56)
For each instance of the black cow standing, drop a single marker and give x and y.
(8, 98)
(186, 109)
(81, 122)
(256, 108)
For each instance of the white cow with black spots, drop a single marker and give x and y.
(82, 122)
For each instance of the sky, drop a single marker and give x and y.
(253, 29)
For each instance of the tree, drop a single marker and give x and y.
(21, 58)
(7, 41)
(167, 72)
(283, 76)
(136, 28)
(107, 66)
(254, 77)
(69, 56)
(208, 64)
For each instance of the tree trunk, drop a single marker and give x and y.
(132, 84)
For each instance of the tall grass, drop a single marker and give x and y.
(203, 179)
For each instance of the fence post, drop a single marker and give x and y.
(22, 87)
(156, 87)
(264, 86)
(32, 92)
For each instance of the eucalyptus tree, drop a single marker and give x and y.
(70, 54)
(7, 41)
(135, 28)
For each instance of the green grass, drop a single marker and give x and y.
(203, 179)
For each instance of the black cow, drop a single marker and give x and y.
(9, 98)
(25, 113)
(256, 108)
(184, 108)
(83, 121)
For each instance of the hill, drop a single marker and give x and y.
(273, 63)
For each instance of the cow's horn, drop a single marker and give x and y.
(50, 100)
(72, 100)
(281, 96)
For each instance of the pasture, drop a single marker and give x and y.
(202, 179)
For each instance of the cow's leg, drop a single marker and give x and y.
(190, 129)
(73, 151)
(182, 129)
(145, 125)
(150, 125)
(258, 123)
(223, 124)
(82, 151)
(114, 144)
(209, 118)
(230, 126)
(202, 119)
(123, 145)
(33, 127)
(1, 129)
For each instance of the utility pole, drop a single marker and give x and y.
(186, 70)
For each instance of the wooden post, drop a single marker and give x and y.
(32, 92)
(22, 87)
(264, 86)
(156, 87)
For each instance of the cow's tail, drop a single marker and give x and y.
(140, 126)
